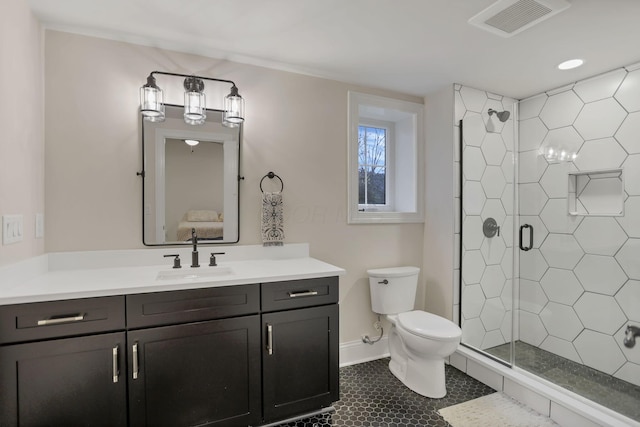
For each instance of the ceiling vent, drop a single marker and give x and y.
(509, 17)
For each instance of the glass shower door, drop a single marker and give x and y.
(486, 247)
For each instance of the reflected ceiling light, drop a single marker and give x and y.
(191, 142)
(570, 64)
(195, 108)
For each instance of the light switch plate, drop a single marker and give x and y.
(12, 229)
(39, 226)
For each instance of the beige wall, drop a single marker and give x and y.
(296, 126)
(21, 125)
(440, 211)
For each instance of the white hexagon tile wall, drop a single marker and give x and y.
(579, 285)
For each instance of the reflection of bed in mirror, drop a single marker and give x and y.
(207, 223)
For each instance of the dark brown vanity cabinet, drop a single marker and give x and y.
(64, 380)
(204, 372)
(227, 356)
(300, 355)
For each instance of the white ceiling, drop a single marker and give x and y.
(410, 46)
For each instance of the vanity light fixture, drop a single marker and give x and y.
(151, 101)
(233, 108)
(195, 109)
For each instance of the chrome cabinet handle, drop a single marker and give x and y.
(116, 371)
(302, 294)
(56, 320)
(269, 339)
(136, 368)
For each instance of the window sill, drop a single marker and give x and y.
(379, 217)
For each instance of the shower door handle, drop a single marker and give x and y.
(530, 227)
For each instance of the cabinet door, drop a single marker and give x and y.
(205, 373)
(300, 361)
(64, 382)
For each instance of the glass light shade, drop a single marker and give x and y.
(195, 112)
(151, 103)
(233, 108)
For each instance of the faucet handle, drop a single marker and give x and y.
(176, 260)
(212, 260)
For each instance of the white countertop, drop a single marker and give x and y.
(57, 281)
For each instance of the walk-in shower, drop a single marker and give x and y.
(549, 245)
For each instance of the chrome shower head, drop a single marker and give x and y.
(503, 116)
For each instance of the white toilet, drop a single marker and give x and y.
(418, 341)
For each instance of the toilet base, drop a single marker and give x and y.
(425, 377)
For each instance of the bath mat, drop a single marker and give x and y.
(494, 410)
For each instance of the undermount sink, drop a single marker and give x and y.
(193, 273)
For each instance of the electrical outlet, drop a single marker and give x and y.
(39, 226)
(12, 229)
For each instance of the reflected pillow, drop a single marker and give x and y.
(202, 215)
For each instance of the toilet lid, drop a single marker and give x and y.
(428, 325)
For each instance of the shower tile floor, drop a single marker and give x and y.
(608, 391)
(371, 396)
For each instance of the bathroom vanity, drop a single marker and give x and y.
(227, 350)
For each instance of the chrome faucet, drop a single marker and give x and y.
(630, 336)
(194, 254)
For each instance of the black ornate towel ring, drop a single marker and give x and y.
(272, 175)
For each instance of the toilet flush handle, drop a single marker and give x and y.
(384, 282)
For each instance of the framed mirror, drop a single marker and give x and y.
(190, 180)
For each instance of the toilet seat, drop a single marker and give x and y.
(428, 325)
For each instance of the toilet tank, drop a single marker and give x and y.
(398, 294)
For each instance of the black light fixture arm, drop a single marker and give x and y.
(213, 79)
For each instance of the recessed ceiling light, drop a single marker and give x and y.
(572, 63)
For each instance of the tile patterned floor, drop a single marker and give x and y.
(621, 396)
(371, 396)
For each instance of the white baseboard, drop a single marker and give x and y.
(354, 352)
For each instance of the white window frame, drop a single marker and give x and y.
(407, 174)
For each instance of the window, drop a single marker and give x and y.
(385, 160)
(373, 167)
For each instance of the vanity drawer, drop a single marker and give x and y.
(165, 308)
(299, 293)
(52, 319)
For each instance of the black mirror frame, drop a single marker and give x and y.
(142, 173)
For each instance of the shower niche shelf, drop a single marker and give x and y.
(596, 193)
